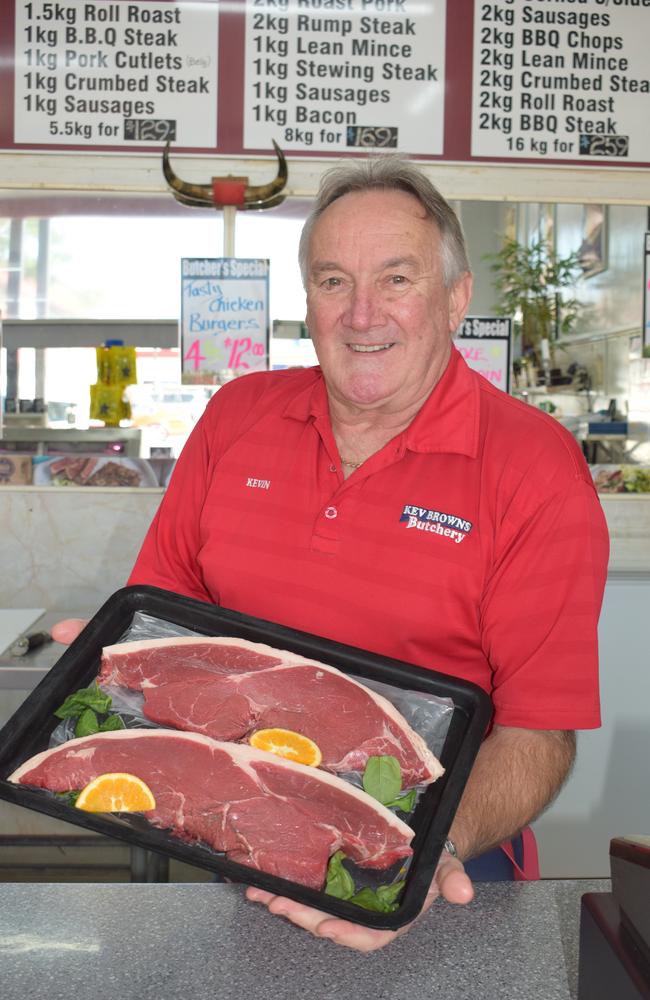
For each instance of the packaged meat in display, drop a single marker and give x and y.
(282, 818)
(169, 661)
(227, 688)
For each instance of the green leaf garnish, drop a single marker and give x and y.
(69, 797)
(405, 802)
(382, 778)
(382, 900)
(111, 723)
(87, 723)
(339, 882)
(92, 697)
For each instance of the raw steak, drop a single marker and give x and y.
(227, 688)
(271, 814)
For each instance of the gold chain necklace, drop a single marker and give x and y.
(351, 465)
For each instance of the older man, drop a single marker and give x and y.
(394, 500)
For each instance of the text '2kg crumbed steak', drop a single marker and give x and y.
(262, 811)
(227, 688)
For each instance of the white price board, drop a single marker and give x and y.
(345, 75)
(224, 316)
(116, 74)
(560, 81)
(484, 342)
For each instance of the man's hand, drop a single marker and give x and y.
(449, 881)
(66, 631)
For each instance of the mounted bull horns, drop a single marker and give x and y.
(228, 190)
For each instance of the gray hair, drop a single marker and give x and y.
(391, 173)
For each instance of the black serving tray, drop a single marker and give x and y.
(28, 731)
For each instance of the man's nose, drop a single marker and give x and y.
(364, 310)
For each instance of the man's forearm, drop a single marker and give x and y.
(517, 773)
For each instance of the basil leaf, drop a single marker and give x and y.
(339, 882)
(69, 798)
(87, 723)
(91, 697)
(381, 900)
(111, 723)
(382, 778)
(405, 802)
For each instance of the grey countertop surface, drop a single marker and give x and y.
(23, 673)
(516, 941)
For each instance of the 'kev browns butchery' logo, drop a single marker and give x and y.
(448, 525)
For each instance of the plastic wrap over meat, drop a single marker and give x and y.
(226, 688)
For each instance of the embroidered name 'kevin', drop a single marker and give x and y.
(259, 484)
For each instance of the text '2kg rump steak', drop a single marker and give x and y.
(227, 688)
(262, 811)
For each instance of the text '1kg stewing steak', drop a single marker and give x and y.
(262, 811)
(227, 688)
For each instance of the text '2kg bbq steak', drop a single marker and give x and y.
(226, 688)
(271, 814)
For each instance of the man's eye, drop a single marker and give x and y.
(331, 283)
(397, 279)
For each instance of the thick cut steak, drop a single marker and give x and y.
(227, 688)
(271, 814)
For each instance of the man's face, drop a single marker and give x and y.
(377, 310)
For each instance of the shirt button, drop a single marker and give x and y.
(332, 468)
(331, 512)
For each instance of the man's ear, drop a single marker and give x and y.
(459, 299)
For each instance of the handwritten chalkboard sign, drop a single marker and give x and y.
(224, 317)
(484, 342)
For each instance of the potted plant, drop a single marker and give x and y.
(531, 280)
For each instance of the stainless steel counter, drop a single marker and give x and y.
(73, 439)
(516, 941)
(22, 673)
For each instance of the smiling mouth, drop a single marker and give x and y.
(369, 348)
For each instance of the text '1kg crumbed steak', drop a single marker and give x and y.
(262, 811)
(227, 688)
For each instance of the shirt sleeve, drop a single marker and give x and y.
(541, 606)
(169, 554)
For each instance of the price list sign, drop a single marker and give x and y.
(224, 316)
(116, 74)
(345, 75)
(561, 81)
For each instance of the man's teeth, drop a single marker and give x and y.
(369, 348)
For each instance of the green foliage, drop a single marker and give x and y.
(530, 280)
(382, 779)
(339, 882)
(383, 899)
(635, 479)
(92, 697)
(85, 706)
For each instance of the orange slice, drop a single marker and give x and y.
(286, 743)
(116, 792)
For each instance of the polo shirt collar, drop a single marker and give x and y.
(448, 422)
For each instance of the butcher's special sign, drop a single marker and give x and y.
(559, 81)
(224, 317)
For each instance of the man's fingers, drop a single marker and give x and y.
(66, 631)
(450, 882)
(454, 884)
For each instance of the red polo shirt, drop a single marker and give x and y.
(472, 543)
